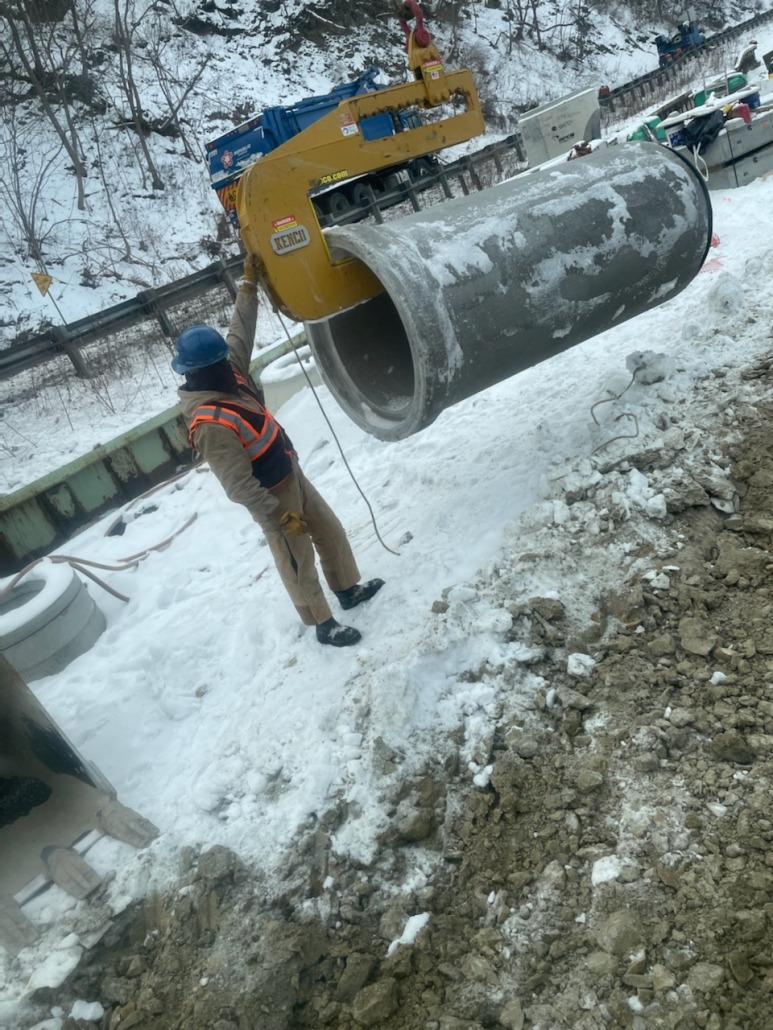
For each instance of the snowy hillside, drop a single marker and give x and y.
(149, 215)
(537, 795)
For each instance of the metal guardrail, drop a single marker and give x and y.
(154, 303)
(468, 172)
(647, 83)
(69, 339)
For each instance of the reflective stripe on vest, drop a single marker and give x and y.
(255, 444)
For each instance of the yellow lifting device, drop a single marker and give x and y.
(274, 200)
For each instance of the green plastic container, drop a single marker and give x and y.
(640, 133)
(649, 130)
(654, 124)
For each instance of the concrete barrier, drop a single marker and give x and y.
(41, 516)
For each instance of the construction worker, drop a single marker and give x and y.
(253, 458)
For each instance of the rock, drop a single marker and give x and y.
(392, 922)
(740, 968)
(588, 780)
(660, 581)
(638, 981)
(620, 933)
(731, 747)
(413, 823)
(376, 1002)
(667, 876)
(705, 977)
(354, 977)
(754, 522)
(681, 717)
(601, 963)
(763, 641)
(573, 699)
(663, 644)
(662, 979)
(512, 1015)
(115, 989)
(647, 763)
(695, 636)
(218, 863)
(478, 969)
(525, 746)
(548, 607)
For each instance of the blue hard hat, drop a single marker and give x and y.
(197, 347)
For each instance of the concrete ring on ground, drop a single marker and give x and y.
(283, 378)
(47, 620)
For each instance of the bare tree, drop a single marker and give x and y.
(124, 37)
(174, 89)
(27, 161)
(41, 56)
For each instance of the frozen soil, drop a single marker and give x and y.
(606, 861)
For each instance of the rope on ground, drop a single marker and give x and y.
(621, 436)
(85, 565)
(625, 414)
(335, 437)
(164, 543)
(154, 489)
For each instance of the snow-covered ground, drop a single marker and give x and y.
(206, 704)
(217, 716)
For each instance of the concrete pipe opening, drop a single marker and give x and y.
(481, 287)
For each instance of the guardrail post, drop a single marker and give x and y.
(62, 339)
(227, 276)
(154, 307)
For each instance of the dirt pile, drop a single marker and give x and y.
(607, 862)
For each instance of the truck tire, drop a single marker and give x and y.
(337, 203)
(362, 195)
(47, 620)
(421, 168)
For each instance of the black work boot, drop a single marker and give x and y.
(358, 593)
(332, 632)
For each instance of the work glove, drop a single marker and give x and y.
(293, 524)
(254, 270)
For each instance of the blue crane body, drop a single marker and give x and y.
(688, 36)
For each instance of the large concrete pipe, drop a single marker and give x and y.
(481, 287)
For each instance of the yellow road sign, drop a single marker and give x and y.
(42, 281)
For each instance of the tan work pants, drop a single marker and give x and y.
(294, 555)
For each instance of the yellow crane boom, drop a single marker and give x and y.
(274, 198)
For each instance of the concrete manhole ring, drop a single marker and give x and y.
(47, 620)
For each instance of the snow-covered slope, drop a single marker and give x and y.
(214, 70)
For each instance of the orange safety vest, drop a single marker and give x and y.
(255, 443)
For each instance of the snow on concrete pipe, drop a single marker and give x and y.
(484, 286)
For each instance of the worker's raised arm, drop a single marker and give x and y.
(241, 332)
